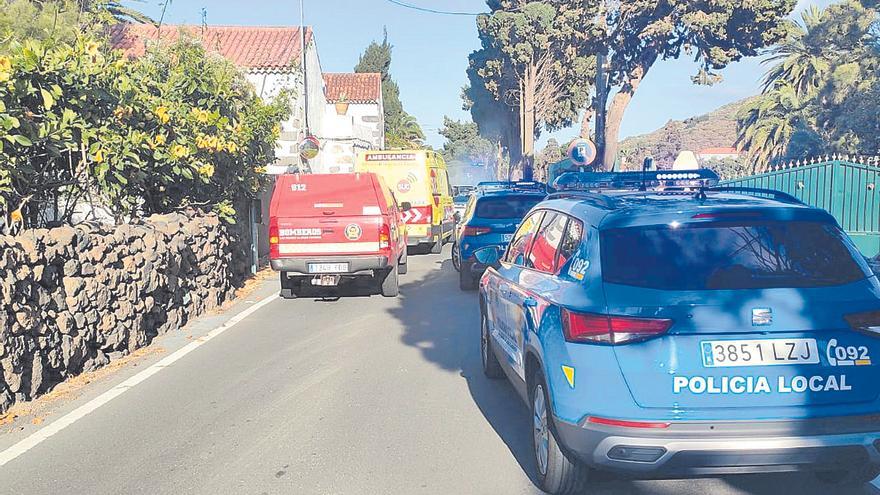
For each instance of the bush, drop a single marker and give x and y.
(175, 129)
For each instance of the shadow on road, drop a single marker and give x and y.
(443, 323)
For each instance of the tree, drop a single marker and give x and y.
(534, 60)
(629, 37)
(175, 129)
(552, 153)
(464, 144)
(821, 92)
(404, 132)
(401, 129)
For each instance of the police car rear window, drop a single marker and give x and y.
(505, 206)
(729, 256)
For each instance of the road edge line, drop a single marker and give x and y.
(80, 412)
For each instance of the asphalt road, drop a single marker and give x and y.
(356, 396)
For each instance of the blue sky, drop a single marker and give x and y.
(430, 55)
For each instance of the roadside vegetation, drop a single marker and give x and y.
(822, 89)
(80, 124)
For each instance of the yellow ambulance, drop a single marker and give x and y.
(420, 178)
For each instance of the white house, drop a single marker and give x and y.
(354, 119)
(721, 153)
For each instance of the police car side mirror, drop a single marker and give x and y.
(405, 206)
(489, 255)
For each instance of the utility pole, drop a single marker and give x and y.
(600, 104)
(302, 61)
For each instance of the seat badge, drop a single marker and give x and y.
(762, 317)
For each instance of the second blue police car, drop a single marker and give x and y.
(491, 216)
(685, 330)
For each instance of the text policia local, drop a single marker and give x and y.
(758, 384)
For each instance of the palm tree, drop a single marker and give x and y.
(801, 61)
(117, 10)
(801, 66)
(767, 124)
(404, 132)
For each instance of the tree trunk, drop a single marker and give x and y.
(585, 123)
(527, 106)
(614, 116)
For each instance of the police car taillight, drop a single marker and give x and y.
(868, 322)
(610, 329)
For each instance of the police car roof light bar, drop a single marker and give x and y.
(640, 180)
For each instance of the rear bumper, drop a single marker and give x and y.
(709, 449)
(357, 265)
(433, 233)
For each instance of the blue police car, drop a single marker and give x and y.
(661, 326)
(491, 216)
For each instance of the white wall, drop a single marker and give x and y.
(361, 128)
(268, 85)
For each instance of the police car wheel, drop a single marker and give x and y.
(390, 284)
(466, 280)
(557, 474)
(491, 366)
(856, 477)
(455, 260)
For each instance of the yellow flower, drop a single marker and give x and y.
(159, 140)
(260, 170)
(206, 170)
(99, 156)
(201, 142)
(231, 147)
(276, 129)
(212, 142)
(162, 114)
(92, 48)
(16, 215)
(202, 116)
(179, 151)
(5, 69)
(120, 63)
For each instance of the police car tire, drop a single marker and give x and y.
(491, 366)
(454, 257)
(564, 476)
(854, 478)
(466, 280)
(390, 284)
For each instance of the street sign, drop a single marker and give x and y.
(309, 148)
(582, 152)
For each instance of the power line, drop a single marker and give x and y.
(433, 11)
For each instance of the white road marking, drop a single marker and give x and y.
(42, 434)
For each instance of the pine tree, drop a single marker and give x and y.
(401, 129)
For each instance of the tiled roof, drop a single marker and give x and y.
(719, 151)
(355, 87)
(249, 47)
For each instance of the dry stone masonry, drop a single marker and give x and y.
(74, 298)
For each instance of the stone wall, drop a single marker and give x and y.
(74, 298)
